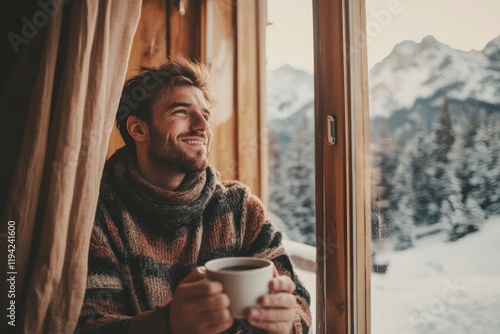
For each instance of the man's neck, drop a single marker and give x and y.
(158, 176)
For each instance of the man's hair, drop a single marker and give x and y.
(143, 90)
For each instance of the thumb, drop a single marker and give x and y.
(275, 271)
(197, 274)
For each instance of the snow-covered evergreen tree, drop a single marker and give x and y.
(452, 174)
(465, 168)
(300, 175)
(384, 157)
(411, 196)
(486, 161)
(444, 134)
(474, 213)
(404, 223)
(442, 181)
(276, 176)
(463, 153)
(493, 176)
(422, 192)
(292, 180)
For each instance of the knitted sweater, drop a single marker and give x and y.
(145, 240)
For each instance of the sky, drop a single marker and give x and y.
(462, 24)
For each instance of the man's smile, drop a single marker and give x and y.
(194, 142)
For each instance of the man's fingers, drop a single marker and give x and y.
(259, 314)
(216, 317)
(271, 320)
(278, 300)
(282, 284)
(213, 303)
(275, 271)
(198, 304)
(273, 327)
(220, 326)
(202, 288)
(197, 274)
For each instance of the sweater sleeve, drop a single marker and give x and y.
(261, 239)
(108, 306)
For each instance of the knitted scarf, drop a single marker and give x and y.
(165, 211)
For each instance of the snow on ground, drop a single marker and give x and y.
(440, 287)
(437, 287)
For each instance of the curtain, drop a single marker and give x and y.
(57, 112)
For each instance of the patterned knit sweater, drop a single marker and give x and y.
(145, 240)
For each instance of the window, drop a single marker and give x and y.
(434, 112)
(290, 115)
(290, 125)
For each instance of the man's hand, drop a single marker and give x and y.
(199, 306)
(277, 310)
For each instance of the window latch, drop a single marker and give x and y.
(332, 131)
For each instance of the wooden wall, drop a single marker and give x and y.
(149, 48)
(223, 34)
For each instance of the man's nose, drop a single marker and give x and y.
(199, 122)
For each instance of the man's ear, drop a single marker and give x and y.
(137, 129)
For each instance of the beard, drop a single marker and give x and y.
(167, 155)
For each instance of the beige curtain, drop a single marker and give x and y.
(64, 91)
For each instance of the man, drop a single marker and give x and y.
(163, 212)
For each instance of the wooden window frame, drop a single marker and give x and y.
(342, 169)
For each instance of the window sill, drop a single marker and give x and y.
(304, 259)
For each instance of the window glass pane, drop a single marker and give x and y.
(290, 121)
(435, 149)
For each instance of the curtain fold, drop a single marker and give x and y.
(68, 103)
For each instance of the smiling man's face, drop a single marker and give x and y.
(179, 134)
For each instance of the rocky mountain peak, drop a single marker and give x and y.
(414, 71)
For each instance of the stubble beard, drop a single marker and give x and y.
(166, 155)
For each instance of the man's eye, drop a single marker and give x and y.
(181, 111)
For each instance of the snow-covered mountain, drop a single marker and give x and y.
(288, 91)
(408, 86)
(429, 70)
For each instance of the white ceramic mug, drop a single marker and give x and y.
(244, 279)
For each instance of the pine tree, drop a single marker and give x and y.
(410, 195)
(444, 134)
(493, 176)
(446, 187)
(486, 162)
(276, 178)
(443, 141)
(300, 176)
(404, 222)
(292, 179)
(468, 215)
(384, 155)
(463, 153)
(421, 186)
(474, 213)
